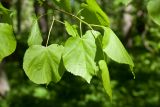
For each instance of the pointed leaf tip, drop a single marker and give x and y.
(114, 49)
(35, 37)
(105, 78)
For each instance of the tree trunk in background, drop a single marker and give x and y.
(4, 85)
(18, 16)
(127, 25)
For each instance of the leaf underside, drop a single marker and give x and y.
(42, 64)
(113, 48)
(93, 14)
(79, 54)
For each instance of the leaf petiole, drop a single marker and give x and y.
(80, 27)
(50, 31)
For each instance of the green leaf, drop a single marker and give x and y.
(93, 14)
(105, 77)
(99, 52)
(35, 37)
(113, 47)
(64, 4)
(154, 10)
(7, 40)
(42, 64)
(79, 54)
(71, 29)
(3, 9)
(5, 15)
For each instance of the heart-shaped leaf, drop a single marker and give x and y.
(7, 40)
(35, 37)
(154, 10)
(113, 47)
(42, 64)
(79, 55)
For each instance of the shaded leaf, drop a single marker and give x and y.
(7, 40)
(5, 15)
(64, 4)
(113, 47)
(105, 77)
(154, 10)
(93, 14)
(35, 37)
(99, 52)
(79, 54)
(41, 64)
(71, 29)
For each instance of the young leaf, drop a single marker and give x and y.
(105, 77)
(113, 47)
(7, 40)
(154, 10)
(79, 54)
(41, 64)
(35, 37)
(93, 14)
(71, 29)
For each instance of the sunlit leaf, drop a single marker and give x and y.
(113, 47)
(93, 14)
(154, 10)
(7, 40)
(105, 77)
(35, 37)
(79, 54)
(42, 64)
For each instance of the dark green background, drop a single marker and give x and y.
(142, 42)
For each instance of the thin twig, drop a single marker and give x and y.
(80, 26)
(50, 31)
(59, 21)
(73, 16)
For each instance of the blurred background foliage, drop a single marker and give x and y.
(139, 34)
